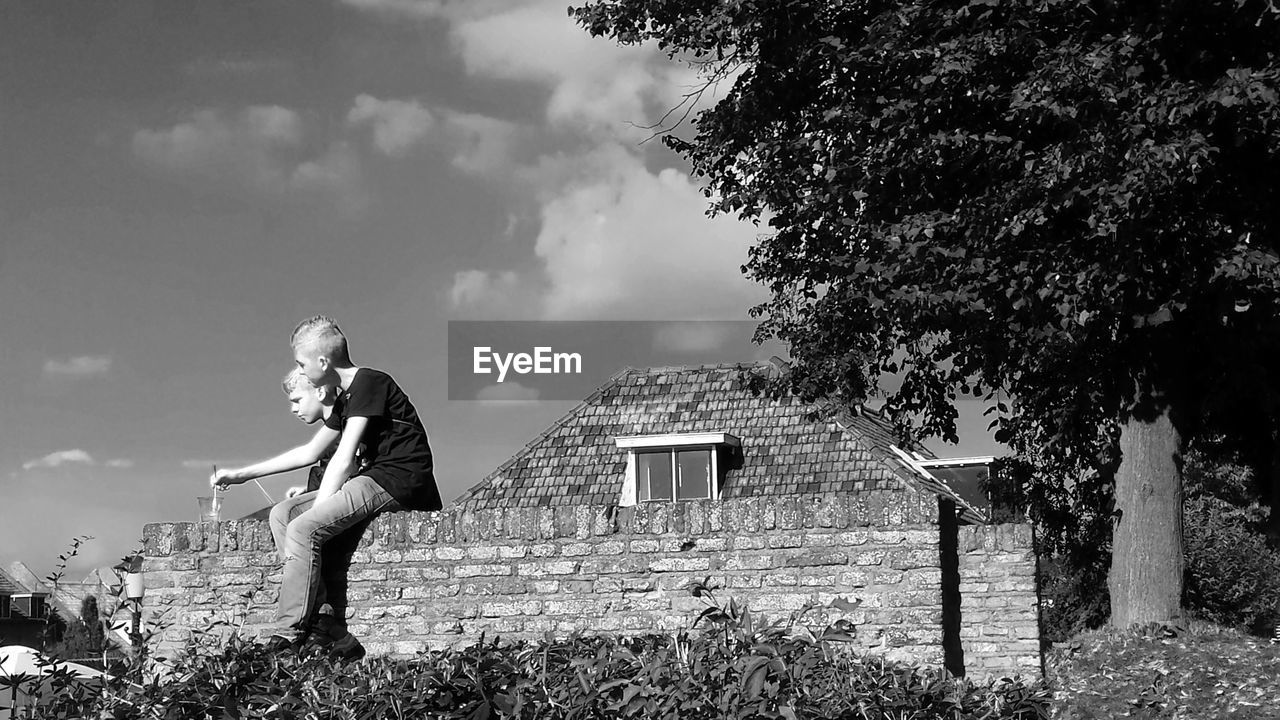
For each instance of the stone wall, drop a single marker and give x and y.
(440, 579)
(999, 605)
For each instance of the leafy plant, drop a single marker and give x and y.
(1065, 209)
(1233, 576)
(729, 664)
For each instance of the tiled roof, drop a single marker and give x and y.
(784, 453)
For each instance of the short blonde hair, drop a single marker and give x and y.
(294, 380)
(323, 332)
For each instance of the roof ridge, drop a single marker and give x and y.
(655, 369)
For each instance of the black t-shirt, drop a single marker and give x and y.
(316, 474)
(397, 454)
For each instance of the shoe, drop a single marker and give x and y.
(316, 644)
(346, 648)
(279, 644)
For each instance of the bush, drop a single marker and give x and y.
(728, 666)
(1074, 597)
(1232, 575)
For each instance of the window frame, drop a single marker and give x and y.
(672, 444)
(39, 606)
(672, 457)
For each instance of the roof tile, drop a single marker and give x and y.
(784, 450)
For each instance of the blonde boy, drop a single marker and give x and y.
(311, 404)
(397, 473)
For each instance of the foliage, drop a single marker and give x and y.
(1073, 598)
(1042, 198)
(1065, 208)
(730, 665)
(83, 637)
(1204, 672)
(1233, 575)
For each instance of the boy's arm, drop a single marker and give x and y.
(301, 456)
(343, 463)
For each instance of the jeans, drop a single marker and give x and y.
(316, 542)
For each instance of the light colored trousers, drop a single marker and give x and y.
(316, 543)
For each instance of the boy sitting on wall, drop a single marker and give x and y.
(398, 475)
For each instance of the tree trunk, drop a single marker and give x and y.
(1146, 550)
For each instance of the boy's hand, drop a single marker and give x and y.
(222, 479)
(294, 491)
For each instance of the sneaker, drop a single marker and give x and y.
(279, 644)
(316, 644)
(346, 648)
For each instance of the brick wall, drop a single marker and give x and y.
(999, 606)
(439, 579)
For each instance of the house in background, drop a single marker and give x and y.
(23, 611)
(699, 433)
(667, 435)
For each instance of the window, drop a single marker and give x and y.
(5, 612)
(671, 468)
(667, 475)
(967, 477)
(38, 608)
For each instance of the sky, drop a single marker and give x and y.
(182, 181)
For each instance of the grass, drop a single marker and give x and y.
(1203, 672)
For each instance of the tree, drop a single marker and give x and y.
(1066, 207)
(83, 637)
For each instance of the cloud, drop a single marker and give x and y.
(508, 391)
(431, 9)
(484, 145)
(262, 147)
(618, 241)
(337, 173)
(119, 463)
(397, 125)
(251, 144)
(629, 243)
(615, 237)
(61, 457)
(595, 83)
(77, 367)
(480, 288)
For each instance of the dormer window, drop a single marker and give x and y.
(29, 605)
(671, 468)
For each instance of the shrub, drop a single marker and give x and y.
(728, 666)
(1074, 597)
(1232, 575)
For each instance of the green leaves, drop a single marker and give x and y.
(733, 667)
(924, 160)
